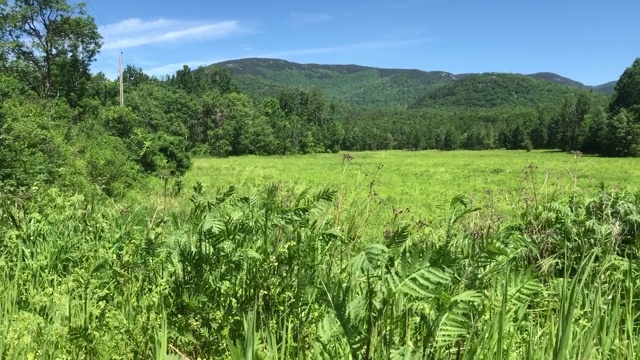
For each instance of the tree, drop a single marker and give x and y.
(519, 139)
(184, 79)
(627, 90)
(228, 117)
(450, 139)
(51, 45)
(31, 150)
(217, 78)
(580, 125)
(621, 135)
(594, 138)
(538, 135)
(259, 138)
(134, 76)
(204, 79)
(4, 56)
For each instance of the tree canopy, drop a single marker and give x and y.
(50, 45)
(627, 90)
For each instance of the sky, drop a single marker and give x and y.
(589, 41)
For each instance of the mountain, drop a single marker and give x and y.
(559, 79)
(493, 90)
(377, 87)
(555, 78)
(608, 88)
(354, 84)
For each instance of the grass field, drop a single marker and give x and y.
(424, 181)
(264, 272)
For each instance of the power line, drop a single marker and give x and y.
(108, 61)
(105, 27)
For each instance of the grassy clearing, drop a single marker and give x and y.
(424, 181)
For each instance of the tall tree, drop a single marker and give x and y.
(184, 79)
(217, 78)
(538, 135)
(627, 91)
(50, 44)
(3, 35)
(134, 76)
(621, 136)
(594, 139)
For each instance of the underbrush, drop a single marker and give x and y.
(282, 272)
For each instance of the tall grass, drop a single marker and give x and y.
(284, 273)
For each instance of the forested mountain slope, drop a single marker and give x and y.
(353, 84)
(361, 85)
(501, 90)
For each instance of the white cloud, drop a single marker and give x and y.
(136, 32)
(135, 26)
(300, 19)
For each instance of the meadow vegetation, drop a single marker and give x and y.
(423, 181)
(122, 237)
(273, 268)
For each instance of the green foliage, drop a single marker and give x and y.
(276, 272)
(627, 89)
(621, 132)
(108, 165)
(203, 79)
(134, 76)
(73, 282)
(155, 128)
(499, 90)
(32, 149)
(356, 85)
(621, 135)
(52, 44)
(11, 87)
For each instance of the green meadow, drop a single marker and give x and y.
(389, 255)
(423, 181)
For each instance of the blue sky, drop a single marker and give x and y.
(589, 41)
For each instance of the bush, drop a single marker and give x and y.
(32, 149)
(108, 165)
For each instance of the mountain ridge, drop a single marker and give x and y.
(361, 85)
(544, 75)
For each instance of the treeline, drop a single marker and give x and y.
(223, 122)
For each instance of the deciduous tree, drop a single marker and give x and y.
(627, 91)
(50, 44)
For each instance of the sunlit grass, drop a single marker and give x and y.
(424, 181)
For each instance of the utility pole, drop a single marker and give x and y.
(121, 83)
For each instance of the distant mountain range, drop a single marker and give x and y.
(370, 86)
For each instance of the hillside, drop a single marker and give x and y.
(500, 90)
(558, 79)
(608, 88)
(358, 85)
(376, 87)
(561, 80)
